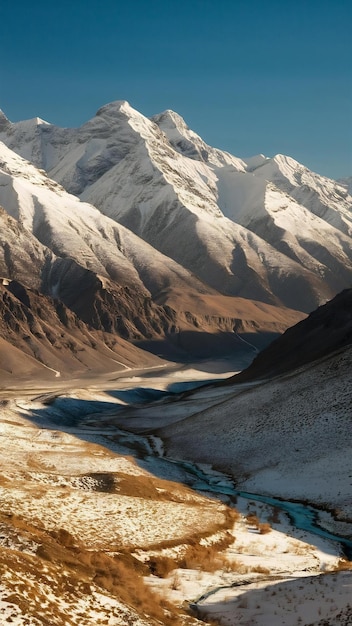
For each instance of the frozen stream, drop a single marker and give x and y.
(302, 516)
(87, 423)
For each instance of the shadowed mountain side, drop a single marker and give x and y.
(211, 326)
(187, 345)
(216, 326)
(290, 436)
(327, 329)
(40, 336)
(128, 311)
(229, 313)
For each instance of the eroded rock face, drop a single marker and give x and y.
(41, 336)
(127, 310)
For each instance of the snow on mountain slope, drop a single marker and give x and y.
(260, 228)
(187, 142)
(172, 202)
(290, 436)
(109, 277)
(59, 220)
(322, 196)
(26, 136)
(77, 230)
(287, 225)
(77, 157)
(181, 218)
(22, 256)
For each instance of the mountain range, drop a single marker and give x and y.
(146, 233)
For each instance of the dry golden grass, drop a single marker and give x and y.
(161, 566)
(66, 567)
(264, 528)
(208, 558)
(120, 576)
(252, 520)
(259, 569)
(343, 565)
(194, 555)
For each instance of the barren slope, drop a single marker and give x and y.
(325, 330)
(41, 338)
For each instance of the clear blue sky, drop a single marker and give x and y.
(249, 76)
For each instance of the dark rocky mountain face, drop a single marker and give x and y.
(325, 330)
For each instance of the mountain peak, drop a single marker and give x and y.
(32, 123)
(4, 121)
(170, 119)
(255, 161)
(284, 159)
(115, 108)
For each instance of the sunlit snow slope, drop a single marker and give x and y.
(267, 229)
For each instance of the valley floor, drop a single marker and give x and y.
(97, 526)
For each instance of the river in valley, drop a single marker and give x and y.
(86, 420)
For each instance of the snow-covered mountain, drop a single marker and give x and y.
(347, 183)
(111, 279)
(80, 258)
(260, 228)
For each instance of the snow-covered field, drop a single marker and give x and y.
(94, 528)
